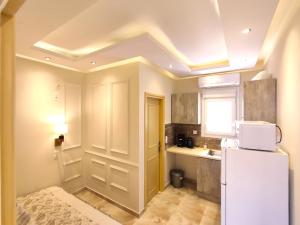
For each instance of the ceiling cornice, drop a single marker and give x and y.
(142, 60)
(48, 63)
(153, 33)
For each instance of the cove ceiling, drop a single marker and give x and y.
(185, 37)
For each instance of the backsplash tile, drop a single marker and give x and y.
(169, 132)
(172, 130)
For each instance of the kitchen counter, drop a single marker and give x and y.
(207, 168)
(196, 152)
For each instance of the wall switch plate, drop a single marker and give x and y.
(166, 139)
(195, 132)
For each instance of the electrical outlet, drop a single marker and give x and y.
(195, 132)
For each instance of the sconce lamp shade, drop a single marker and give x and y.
(61, 129)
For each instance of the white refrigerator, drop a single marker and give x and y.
(254, 187)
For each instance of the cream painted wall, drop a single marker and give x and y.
(186, 85)
(284, 65)
(152, 81)
(35, 101)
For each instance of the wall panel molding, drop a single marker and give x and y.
(119, 177)
(71, 147)
(99, 147)
(119, 121)
(119, 187)
(72, 162)
(119, 169)
(98, 120)
(98, 162)
(113, 158)
(98, 178)
(72, 178)
(99, 170)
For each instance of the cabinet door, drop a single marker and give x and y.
(186, 108)
(209, 179)
(260, 100)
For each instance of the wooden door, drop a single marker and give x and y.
(152, 149)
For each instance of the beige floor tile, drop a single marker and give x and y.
(170, 207)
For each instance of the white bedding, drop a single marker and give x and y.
(54, 206)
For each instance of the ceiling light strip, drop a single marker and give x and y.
(48, 63)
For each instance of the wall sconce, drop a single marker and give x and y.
(61, 130)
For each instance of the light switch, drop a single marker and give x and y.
(195, 132)
(166, 139)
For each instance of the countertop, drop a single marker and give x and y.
(196, 152)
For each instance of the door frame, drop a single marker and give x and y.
(7, 78)
(161, 141)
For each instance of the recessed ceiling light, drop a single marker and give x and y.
(48, 58)
(171, 66)
(246, 31)
(93, 62)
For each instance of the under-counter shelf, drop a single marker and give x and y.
(208, 171)
(196, 152)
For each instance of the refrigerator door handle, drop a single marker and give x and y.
(223, 166)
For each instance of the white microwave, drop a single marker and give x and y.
(256, 135)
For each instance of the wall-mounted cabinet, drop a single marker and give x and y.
(260, 100)
(186, 108)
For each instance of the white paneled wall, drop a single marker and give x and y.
(111, 159)
(98, 120)
(71, 155)
(119, 119)
(115, 179)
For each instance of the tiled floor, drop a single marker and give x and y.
(170, 207)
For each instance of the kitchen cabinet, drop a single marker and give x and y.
(186, 108)
(209, 179)
(260, 100)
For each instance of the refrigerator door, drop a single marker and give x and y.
(226, 144)
(223, 204)
(256, 188)
(223, 166)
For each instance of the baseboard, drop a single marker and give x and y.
(187, 182)
(167, 184)
(209, 198)
(78, 190)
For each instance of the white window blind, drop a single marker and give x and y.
(219, 114)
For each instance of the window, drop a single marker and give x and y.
(219, 112)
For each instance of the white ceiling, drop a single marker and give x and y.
(185, 37)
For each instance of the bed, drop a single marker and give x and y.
(54, 206)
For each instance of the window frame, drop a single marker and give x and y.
(217, 94)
